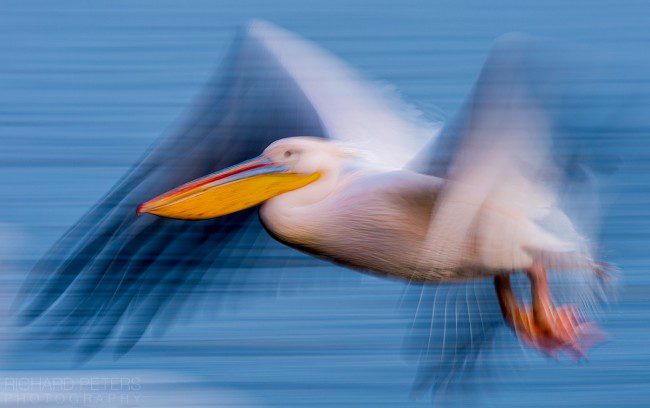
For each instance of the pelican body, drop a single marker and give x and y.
(380, 221)
(383, 218)
(364, 218)
(323, 200)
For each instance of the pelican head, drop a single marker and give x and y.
(285, 165)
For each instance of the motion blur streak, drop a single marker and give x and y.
(108, 82)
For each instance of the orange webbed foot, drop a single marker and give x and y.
(563, 330)
(553, 330)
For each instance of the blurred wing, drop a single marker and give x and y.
(451, 326)
(512, 147)
(112, 263)
(531, 138)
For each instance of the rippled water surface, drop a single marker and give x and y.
(86, 87)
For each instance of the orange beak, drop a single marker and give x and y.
(233, 189)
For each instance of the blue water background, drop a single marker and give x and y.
(86, 87)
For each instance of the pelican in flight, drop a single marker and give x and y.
(346, 171)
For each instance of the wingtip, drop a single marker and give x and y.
(263, 29)
(255, 25)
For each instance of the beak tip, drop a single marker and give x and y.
(140, 210)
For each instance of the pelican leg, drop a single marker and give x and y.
(546, 327)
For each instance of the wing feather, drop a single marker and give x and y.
(112, 273)
(513, 147)
(113, 264)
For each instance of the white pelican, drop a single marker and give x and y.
(347, 172)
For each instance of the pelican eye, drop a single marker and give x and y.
(288, 153)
